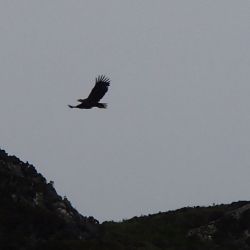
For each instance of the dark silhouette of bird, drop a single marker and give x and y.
(101, 87)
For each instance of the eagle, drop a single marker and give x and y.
(101, 87)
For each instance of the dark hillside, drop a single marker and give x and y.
(33, 216)
(215, 227)
(31, 211)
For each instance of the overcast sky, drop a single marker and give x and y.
(177, 129)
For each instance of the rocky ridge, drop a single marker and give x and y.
(34, 217)
(32, 212)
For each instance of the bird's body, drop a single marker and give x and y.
(96, 94)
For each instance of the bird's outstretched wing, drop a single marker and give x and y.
(99, 90)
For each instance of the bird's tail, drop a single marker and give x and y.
(102, 105)
(70, 106)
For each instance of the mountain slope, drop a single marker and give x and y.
(222, 227)
(32, 213)
(34, 217)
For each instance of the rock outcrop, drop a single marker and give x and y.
(31, 211)
(231, 228)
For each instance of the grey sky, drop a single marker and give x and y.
(176, 132)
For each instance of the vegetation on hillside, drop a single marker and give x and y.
(34, 217)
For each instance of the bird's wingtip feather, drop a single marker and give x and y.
(103, 78)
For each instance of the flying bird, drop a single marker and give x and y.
(96, 94)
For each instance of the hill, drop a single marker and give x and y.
(33, 216)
